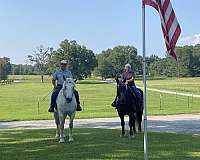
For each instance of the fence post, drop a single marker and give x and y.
(192, 97)
(176, 96)
(160, 101)
(188, 101)
(83, 105)
(38, 109)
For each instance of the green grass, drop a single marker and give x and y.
(19, 101)
(191, 85)
(95, 144)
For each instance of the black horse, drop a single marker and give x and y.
(127, 104)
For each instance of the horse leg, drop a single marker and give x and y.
(140, 121)
(122, 124)
(62, 122)
(131, 125)
(57, 124)
(71, 127)
(134, 120)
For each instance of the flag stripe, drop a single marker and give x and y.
(170, 27)
(168, 12)
(165, 6)
(171, 21)
(175, 36)
(162, 2)
(151, 3)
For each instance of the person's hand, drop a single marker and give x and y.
(126, 83)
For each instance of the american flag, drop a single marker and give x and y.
(171, 28)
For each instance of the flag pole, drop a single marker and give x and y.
(144, 83)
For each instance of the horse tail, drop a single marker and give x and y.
(141, 99)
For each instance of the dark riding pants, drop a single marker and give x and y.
(56, 92)
(136, 92)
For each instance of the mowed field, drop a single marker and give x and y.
(95, 144)
(19, 101)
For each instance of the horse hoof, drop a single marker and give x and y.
(57, 136)
(71, 140)
(61, 141)
(131, 136)
(122, 135)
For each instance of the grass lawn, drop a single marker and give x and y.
(190, 84)
(19, 101)
(95, 144)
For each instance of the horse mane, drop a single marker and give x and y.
(130, 100)
(69, 80)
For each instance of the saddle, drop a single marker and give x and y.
(130, 90)
(137, 96)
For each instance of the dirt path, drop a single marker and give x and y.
(186, 123)
(173, 92)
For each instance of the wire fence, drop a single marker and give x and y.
(185, 103)
(156, 102)
(6, 82)
(95, 101)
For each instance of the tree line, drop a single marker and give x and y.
(83, 62)
(187, 64)
(5, 68)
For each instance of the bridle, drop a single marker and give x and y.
(64, 94)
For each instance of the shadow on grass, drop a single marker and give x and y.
(40, 144)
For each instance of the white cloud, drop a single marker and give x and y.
(190, 40)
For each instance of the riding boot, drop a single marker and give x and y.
(53, 98)
(114, 103)
(77, 101)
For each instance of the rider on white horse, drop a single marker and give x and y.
(57, 81)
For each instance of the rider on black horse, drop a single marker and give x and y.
(128, 77)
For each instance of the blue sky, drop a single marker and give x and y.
(97, 24)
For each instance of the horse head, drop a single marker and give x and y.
(121, 91)
(68, 89)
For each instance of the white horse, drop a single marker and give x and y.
(66, 106)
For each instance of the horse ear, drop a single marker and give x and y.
(64, 78)
(75, 80)
(117, 80)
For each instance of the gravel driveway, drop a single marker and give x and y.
(186, 123)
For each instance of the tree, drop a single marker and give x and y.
(104, 68)
(81, 61)
(5, 68)
(20, 69)
(187, 64)
(40, 58)
(111, 62)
